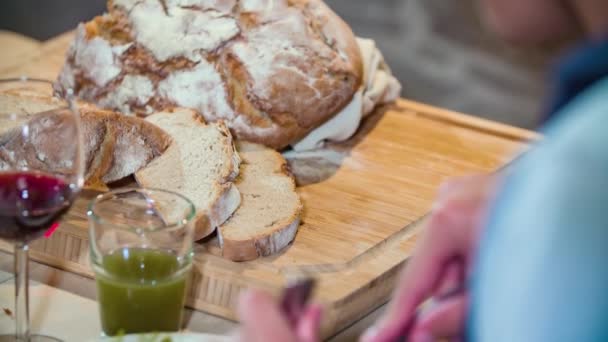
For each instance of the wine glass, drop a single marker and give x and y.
(41, 173)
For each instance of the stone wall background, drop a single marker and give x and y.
(436, 48)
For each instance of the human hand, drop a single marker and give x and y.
(263, 321)
(441, 258)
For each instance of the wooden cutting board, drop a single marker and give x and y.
(359, 224)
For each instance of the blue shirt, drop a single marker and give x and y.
(542, 266)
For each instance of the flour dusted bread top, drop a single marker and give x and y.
(272, 70)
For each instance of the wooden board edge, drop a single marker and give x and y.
(468, 121)
(359, 305)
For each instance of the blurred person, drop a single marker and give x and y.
(504, 82)
(523, 252)
(466, 68)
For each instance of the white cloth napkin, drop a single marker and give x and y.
(379, 86)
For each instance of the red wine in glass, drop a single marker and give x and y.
(31, 203)
(42, 167)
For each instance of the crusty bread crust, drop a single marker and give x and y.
(261, 245)
(263, 238)
(272, 71)
(115, 146)
(226, 203)
(127, 145)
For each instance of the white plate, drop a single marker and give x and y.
(173, 337)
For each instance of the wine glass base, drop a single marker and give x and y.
(33, 338)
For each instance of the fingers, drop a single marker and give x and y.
(453, 278)
(444, 320)
(309, 325)
(471, 187)
(462, 184)
(261, 319)
(450, 233)
(418, 281)
(465, 200)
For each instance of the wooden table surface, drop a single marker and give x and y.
(197, 321)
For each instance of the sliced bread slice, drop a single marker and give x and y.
(201, 164)
(269, 215)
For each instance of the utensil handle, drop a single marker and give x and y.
(295, 297)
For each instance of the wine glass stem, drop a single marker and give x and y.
(22, 316)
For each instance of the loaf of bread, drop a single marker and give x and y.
(269, 215)
(201, 164)
(115, 146)
(272, 70)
